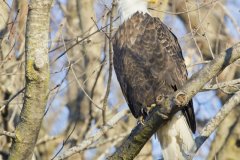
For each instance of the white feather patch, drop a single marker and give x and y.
(126, 8)
(176, 138)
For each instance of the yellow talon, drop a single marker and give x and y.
(153, 105)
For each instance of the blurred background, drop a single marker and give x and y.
(84, 92)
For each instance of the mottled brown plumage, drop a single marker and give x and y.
(148, 62)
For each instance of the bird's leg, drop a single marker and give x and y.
(146, 110)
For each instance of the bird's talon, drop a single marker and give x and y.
(153, 105)
(141, 120)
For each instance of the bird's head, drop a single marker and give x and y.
(126, 8)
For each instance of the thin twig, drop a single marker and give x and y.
(192, 32)
(192, 10)
(13, 22)
(75, 76)
(6, 4)
(58, 86)
(84, 91)
(100, 30)
(92, 95)
(46, 139)
(222, 85)
(109, 140)
(65, 141)
(105, 100)
(11, 99)
(81, 40)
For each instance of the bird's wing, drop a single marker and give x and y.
(148, 61)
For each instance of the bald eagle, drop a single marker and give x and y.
(148, 62)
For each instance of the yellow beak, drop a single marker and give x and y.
(152, 1)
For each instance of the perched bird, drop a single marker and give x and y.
(148, 62)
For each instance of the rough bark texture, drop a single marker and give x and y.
(37, 80)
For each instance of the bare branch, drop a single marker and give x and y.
(11, 99)
(105, 100)
(37, 80)
(215, 122)
(229, 84)
(87, 142)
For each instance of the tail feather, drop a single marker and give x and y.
(176, 138)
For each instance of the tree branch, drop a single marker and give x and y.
(105, 100)
(37, 80)
(142, 133)
(215, 122)
(229, 85)
(86, 143)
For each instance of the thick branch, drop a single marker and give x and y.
(142, 133)
(37, 80)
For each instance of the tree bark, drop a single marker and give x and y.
(37, 80)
